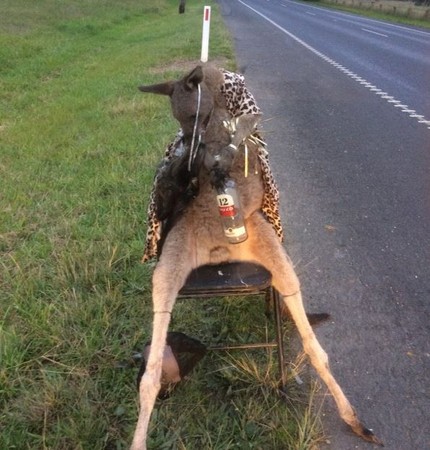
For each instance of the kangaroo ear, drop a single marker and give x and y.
(162, 89)
(193, 78)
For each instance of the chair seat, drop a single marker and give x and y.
(227, 279)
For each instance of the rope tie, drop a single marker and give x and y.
(193, 151)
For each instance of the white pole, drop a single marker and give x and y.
(205, 33)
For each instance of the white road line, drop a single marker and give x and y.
(356, 19)
(374, 32)
(362, 81)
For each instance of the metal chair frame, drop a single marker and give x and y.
(234, 279)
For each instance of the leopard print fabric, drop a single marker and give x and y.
(239, 101)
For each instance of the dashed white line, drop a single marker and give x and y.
(374, 32)
(362, 81)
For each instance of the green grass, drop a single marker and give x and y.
(400, 17)
(78, 149)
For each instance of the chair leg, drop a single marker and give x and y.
(268, 304)
(279, 337)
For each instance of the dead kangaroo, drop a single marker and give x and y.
(213, 148)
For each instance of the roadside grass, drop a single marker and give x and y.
(78, 149)
(402, 12)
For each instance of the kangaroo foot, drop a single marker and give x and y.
(366, 434)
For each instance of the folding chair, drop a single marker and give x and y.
(240, 278)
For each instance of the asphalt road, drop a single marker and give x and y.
(349, 136)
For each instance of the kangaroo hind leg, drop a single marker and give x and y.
(169, 276)
(268, 251)
(319, 360)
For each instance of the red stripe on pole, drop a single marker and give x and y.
(206, 14)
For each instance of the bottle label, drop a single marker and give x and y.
(226, 205)
(235, 232)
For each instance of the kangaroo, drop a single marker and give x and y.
(216, 146)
